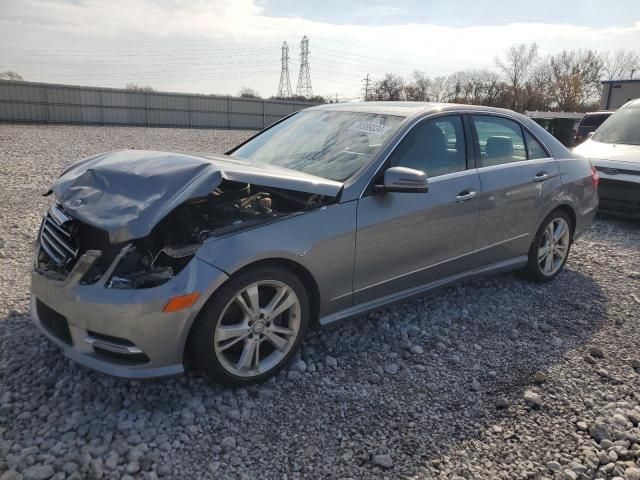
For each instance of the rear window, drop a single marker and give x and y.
(594, 120)
(621, 127)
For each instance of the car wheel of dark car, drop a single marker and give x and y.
(550, 248)
(251, 327)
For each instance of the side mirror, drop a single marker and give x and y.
(590, 134)
(403, 179)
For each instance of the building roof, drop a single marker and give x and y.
(569, 115)
(627, 80)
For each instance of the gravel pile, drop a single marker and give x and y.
(498, 378)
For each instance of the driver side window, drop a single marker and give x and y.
(436, 147)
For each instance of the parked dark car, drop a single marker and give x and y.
(562, 128)
(589, 123)
(147, 258)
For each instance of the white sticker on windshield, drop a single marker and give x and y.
(370, 128)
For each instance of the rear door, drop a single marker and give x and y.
(408, 239)
(518, 179)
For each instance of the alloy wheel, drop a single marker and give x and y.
(554, 246)
(257, 328)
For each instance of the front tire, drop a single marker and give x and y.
(251, 327)
(550, 248)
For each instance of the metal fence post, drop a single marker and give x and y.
(46, 98)
(101, 102)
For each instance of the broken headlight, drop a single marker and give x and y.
(136, 268)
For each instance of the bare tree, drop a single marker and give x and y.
(440, 89)
(483, 87)
(574, 79)
(140, 88)
(569, 80)
(247, 92)
(391, 87)
(620, 64)
(9, 75)
(536, 89)
(517, 65)
(421, 84)
(476, 87)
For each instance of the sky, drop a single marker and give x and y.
(217, 46)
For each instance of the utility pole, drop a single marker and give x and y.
(304, 89)
(336, 97)
(366, 88)
(284, 88)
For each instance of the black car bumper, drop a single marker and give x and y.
(619, 198)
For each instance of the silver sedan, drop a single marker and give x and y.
(149, 261)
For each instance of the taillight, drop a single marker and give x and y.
(595, 178)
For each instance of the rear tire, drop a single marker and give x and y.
(251, 327)
(550, 248)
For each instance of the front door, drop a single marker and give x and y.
(408, 239)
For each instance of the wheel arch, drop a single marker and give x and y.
(305, 276)
(566, 208)
(301, 272)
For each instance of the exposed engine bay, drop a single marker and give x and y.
(152, 260)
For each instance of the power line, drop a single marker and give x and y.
(395, 56)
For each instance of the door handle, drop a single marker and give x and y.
(466, 195)
(541, 177)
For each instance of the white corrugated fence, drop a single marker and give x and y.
(51, 103)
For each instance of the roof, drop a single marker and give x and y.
(553, 115)
(627, 80)
(404, 109)
(600, 112)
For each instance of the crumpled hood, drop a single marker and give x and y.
(127, 193)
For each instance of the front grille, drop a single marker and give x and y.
(55, 323)
(616, 171)
(56, 239)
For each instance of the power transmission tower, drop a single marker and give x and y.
(367, 82)
(303, 88)
(284, 88)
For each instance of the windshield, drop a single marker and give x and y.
(594, 120)
(327, 144)
(621, 127)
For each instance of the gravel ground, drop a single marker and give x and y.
(496, 378)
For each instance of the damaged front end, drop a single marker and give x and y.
(158, 257)
(137, 218)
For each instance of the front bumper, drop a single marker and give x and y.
(121, 332)
(619, 197)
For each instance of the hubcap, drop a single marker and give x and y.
(554, 246)
(257, 328)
